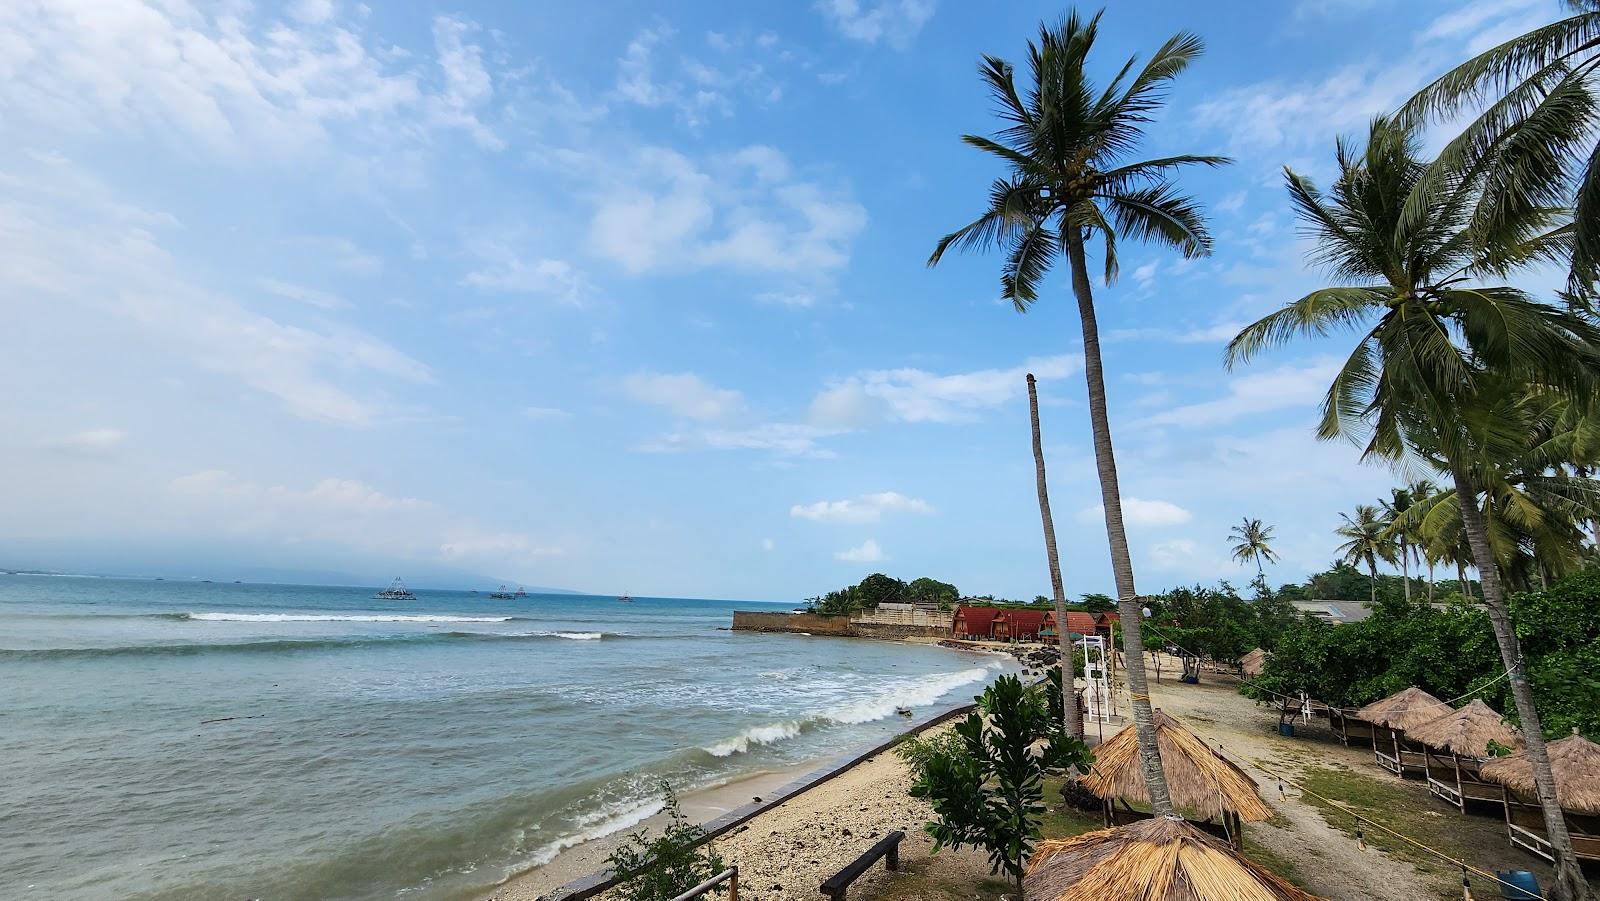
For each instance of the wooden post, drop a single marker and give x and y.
(733, 884)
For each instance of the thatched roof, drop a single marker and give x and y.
(1201, 780)
(1404, 709)
(1467, 731)
(1152, 860)
(1575, 760)
(1252, 663)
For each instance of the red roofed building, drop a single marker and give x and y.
(1017, 625)
(1078, 623)
(973, 623)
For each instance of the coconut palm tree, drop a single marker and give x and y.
(1535, 141)
(1400, 532)
(1065, 144)
(1428, 336)
(1367, 541)
(1070, 720)
(1253, 541)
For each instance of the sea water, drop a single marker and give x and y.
(198, 740)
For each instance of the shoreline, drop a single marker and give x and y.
(727, 809)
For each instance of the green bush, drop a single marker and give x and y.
(662, 868)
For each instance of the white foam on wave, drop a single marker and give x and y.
(544, 633)
(919, 693)
(772, 733)
(343, 618)
(595, 824)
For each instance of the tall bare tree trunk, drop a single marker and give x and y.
(1405, 567)
(1069, 696)
(1155, 776)
(1570, 884)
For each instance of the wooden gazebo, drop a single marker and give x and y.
(1391, 718)
(1203, 783)
(1455, 746)
(1156, 859)
(1575, 761)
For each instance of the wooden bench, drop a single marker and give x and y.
(888, 846)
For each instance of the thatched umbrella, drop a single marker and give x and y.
(1202, 781)
(1398, 713)
(1158, 859)
(1454, 747)
(1252, 663)
(1575, 760)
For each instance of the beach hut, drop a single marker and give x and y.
(1017, 625)
(1391, 717)
(1158, 859)
(1078, 623)
(1575, 760)
(1456, 745)
(1251, 664)
(973, 623)
(1203, 783)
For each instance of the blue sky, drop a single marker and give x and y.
(632, 296)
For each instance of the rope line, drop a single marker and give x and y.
(1359, 820)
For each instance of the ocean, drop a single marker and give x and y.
(178, 740)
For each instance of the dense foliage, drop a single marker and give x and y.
(662, 868)
(878, 588)
(1218, 624)
(1450, 652)
(986, 786)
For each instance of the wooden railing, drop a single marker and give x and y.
(730, 876)
(888, 846)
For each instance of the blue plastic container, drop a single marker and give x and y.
(1286, 729)
(1522, 887)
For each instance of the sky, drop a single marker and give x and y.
(632, 296)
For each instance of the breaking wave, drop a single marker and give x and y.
(769, 734)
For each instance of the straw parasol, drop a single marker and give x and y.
(1158, 859)
(1252, 663)
(1575, 760)
(1404, 710)
(1201, 780)
(1467, 731)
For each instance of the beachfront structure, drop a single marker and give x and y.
(1575, 760)
(1017, 625)
(973, 623)
(1078, 623)
(1157, 859)
(1456, 745)
(1390, 718)
(1203, 783)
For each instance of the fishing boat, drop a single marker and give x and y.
(521, 593)
(396, 591)
(501, 595)
(623, 597)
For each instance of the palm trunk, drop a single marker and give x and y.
(1570, 884)
(1405, 568)
(1372, 587)
(1069, 696)
(1430, 580)
(1155, 776)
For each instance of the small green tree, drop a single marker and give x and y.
(662, 868)
(989, 793)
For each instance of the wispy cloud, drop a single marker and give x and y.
(894, 22)
(916, 395)
(1140, 512)
(684, 394)
(865, 508)
(865, 552)
(1254, 394)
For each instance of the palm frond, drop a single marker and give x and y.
(1161, 213)
(1315, 315)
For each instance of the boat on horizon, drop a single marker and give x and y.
(624, 598)
(501, 595)
(396, 591)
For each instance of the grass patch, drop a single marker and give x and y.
(922, 880)
(1061, 821)
(1396, 805)
(1270, 859)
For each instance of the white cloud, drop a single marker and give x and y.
(1140, 512)
(692, 88)
(896, 22)
(745, 217)
(684, 394)
(545, 413)
(69, 247)
(319, 299)
(1305, 113)
(866, 508)
(768, 544)
(794, 300)
(229, 80)
(349, 514)
(90, 442)
(865, 552)
(1255, 393)
(915, 395)
(1178, 553)
(505, 272)
(782, 438)
(1146, 274)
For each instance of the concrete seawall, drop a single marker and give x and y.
(839, 626)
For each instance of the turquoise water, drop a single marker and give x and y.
(378, 749)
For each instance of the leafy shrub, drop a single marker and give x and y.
(662, 868)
